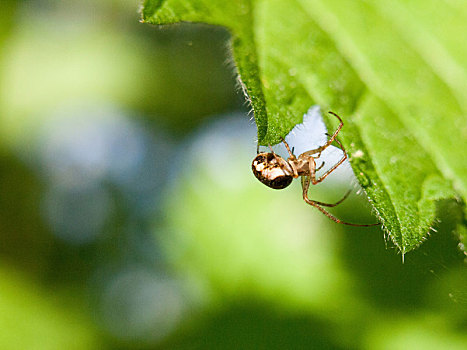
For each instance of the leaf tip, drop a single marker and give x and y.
(148, 9)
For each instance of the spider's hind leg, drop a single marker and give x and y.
(318, 205)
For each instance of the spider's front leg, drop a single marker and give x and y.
(291, 155)
(331, 139)
(291, 161)
(315, 180)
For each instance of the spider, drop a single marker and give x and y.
(277, 173)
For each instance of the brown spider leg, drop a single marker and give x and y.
(331, 140)
(332, 217)
(291, 166)
(319, 168)
(306, 186)
(274, 153)
(313, 166)
(316, 204)
(288, 148)
(257, 147)
(341, 124)
(291, 159)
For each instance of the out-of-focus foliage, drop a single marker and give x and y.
(148, 72)
(129, 217)
(31, 318)
(383, 63)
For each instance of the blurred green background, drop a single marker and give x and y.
(129, 217)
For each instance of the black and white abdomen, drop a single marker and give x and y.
(270, 172)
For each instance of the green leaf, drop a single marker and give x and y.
(395, 71)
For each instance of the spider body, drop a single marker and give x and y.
(277, 173)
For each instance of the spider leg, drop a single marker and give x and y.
(315, 180)
(272, 151)
(306, 186)
(317, 205)
(290, 166)
(331, 139)
(341, 124)
(322, 164)
(274, 154)
(288, 148)
(332, 217)
(334, 204)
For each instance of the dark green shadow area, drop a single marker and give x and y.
(254, 325)
(388, 282)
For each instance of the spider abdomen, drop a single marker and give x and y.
(270, 172)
